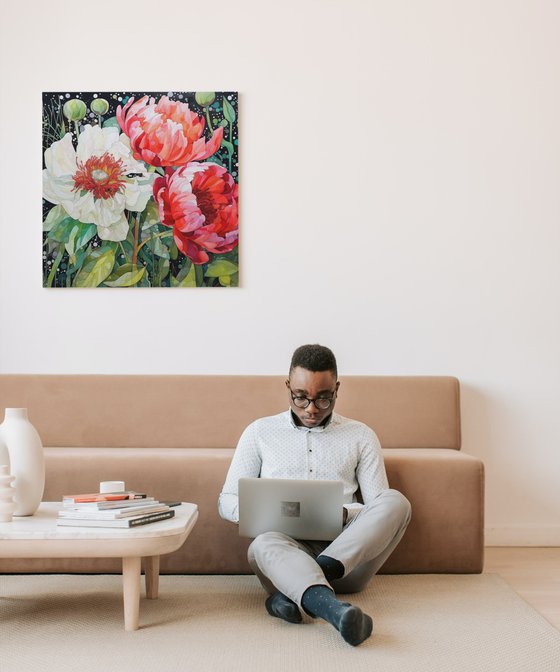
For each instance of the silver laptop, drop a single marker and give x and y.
(301, 509)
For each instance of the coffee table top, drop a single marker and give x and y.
(42, 525)
(38, 536)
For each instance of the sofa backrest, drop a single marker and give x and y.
(211, 411)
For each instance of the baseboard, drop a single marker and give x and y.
(523, 535)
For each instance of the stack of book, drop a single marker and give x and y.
(112, 509)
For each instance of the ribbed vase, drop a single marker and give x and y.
(26, 460)
(7, 494)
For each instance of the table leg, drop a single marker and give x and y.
(151, 568)
(131, 592)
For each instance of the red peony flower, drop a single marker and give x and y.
(200, 202)
(166, 133)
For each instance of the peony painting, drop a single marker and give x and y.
(140, 189)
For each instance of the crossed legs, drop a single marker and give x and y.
(289, 568)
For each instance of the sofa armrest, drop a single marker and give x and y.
(446, 490)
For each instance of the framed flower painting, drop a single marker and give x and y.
(140, 189)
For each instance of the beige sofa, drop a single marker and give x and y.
(174, 436)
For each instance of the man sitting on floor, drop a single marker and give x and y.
(310, 441)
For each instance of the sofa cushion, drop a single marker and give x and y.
(445, 488)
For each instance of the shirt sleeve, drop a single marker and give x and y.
(246, 463)
(370, 472)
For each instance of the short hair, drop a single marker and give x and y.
(314, 357)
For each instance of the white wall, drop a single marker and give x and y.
(400, 202)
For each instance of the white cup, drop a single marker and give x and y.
(111, 486)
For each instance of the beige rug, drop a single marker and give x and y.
(432, 623)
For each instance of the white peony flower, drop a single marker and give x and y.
(98, 181)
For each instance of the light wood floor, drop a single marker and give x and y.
(534, 573)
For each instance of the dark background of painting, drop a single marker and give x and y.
(53, 103)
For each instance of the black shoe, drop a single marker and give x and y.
(282, 607)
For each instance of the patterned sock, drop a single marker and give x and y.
(332, 569)
(350, 621)
(282, 607)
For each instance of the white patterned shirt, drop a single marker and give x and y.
(275, 447)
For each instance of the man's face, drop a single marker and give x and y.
(313, 385)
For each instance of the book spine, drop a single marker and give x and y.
(115, 523)
(108, 505)
(108, 514)
(106, 497)
(150, 518)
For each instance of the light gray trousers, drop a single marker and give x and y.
(367, 540)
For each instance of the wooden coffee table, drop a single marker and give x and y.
(38, 536)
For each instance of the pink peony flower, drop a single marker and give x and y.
(200, 202)
(166, 133)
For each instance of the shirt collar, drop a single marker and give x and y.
(331, 419)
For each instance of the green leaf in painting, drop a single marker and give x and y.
(229, 112)
(185, 278)
(77, 260)
(86, 233)
(130, 238)
(126, 251)
(66, 229)
(80, 235)
(160, 249)
(228, 146)
(155, 246)
(164, 269)
(215, 159)
(126, 275)
(144, 281)
(199, 275)
(61, 230)
(97, 267)
(229, 280)
(71, 242)
(220, 267)
(161, 272)
(111, 122)
(152, 215)
(51, 245)
(54, 217)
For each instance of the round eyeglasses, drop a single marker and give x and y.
(322, 403)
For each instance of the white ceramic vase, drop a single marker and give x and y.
(26, 460)
(7, 494)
